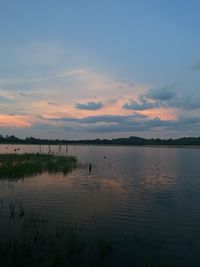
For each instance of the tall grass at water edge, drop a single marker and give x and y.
(15, 166)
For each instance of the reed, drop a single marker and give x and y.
(44, 243)
(41, 243)
(16, 166)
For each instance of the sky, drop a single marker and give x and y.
(99, 69)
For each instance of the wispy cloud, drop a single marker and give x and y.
(89, 105)
(44, 78)
(4, 100)
(15, 121)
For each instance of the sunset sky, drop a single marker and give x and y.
(108, 68)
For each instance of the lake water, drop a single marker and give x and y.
(146, 200)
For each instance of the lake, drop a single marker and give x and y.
(144, 199)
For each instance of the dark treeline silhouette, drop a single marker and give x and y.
(132, 140)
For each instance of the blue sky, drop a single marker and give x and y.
(87, 69)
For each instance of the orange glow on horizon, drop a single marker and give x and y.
(50, 112)
(15, 121)
(161, 113)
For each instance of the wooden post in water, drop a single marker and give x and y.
(90, 167)
(59, 149)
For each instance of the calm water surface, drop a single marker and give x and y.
(145, 199)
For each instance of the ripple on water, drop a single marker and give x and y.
(145, 197)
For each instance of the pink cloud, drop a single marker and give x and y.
(15, 121)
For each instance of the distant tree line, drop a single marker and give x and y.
(132, 140)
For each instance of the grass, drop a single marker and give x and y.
(39, 245)
(16, 166)
(42, 244)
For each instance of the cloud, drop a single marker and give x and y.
(142, 105)
(15, 121)
(196, 65)
(70, 96)
(102, 119)
(23, 94)
(163, 94)
(185, 102)
(4, 100)
(105, 123)
(128, 83)
(132, 123)
(164, 97)
(89, 105)
(52, 103)
(44, 78)
(92, 125)
(110, 119)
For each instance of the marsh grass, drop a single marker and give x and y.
(41, 243)
(16, 166)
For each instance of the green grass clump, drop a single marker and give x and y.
(16, 166)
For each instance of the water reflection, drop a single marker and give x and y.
(144, 197)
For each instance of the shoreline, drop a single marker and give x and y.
(117, 145)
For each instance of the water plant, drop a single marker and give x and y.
(40, 243)
(15, 166)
